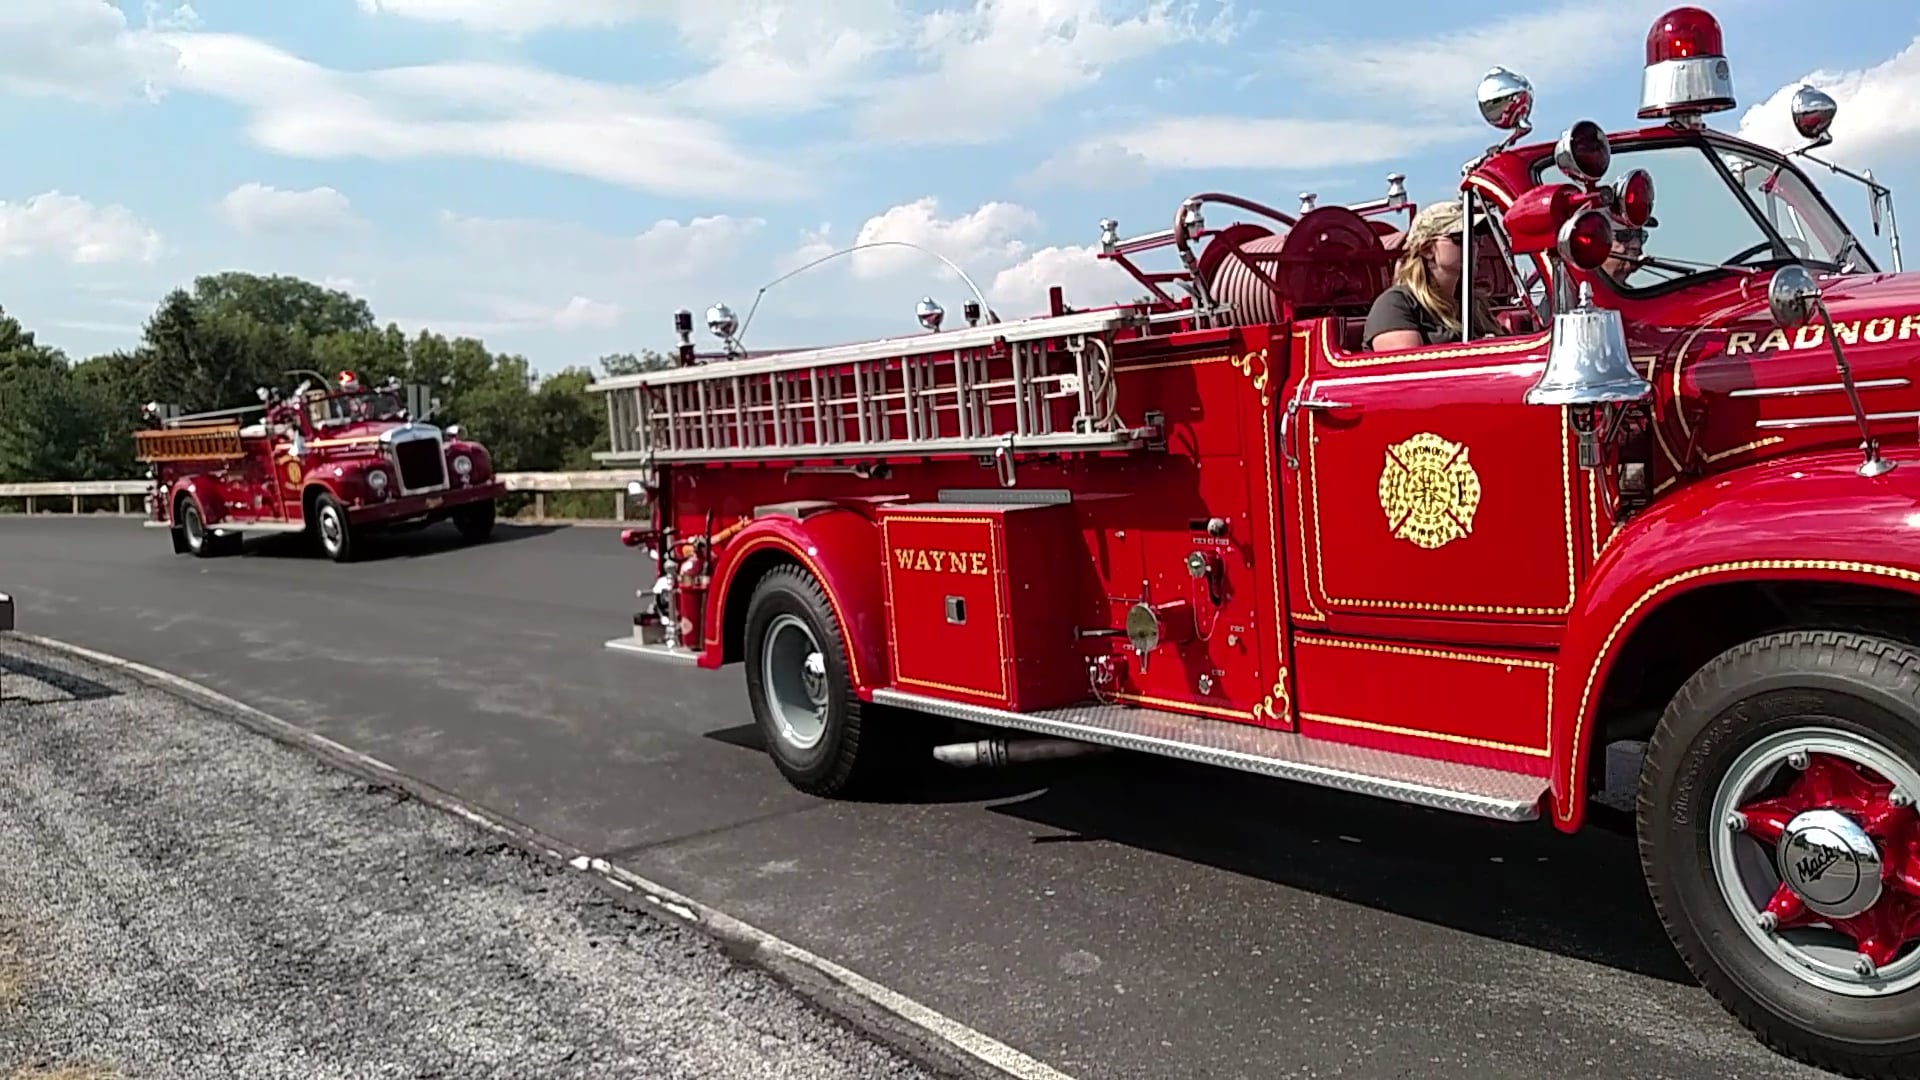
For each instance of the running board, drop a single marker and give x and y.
(657, 652)
(1286, 755)
(251, 526)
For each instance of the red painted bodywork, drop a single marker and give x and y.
(265, 485)
(1481, 640)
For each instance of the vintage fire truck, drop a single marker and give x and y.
(334, 460)
(1663, 511)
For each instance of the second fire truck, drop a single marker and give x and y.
(1668, 503)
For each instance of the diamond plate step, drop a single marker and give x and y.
(1287, 755)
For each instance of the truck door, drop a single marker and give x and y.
(1442, 517)
(1434, 493)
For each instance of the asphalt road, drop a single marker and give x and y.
(186, 898)
(1117, 917)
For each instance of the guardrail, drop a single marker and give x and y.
(537, 484)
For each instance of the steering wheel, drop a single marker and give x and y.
(1750, 252)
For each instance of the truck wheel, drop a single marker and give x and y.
(333, 528)
(475, 521)
(194, 535)
(1781, 844)
(801, 694)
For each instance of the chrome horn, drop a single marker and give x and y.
(1587, 362)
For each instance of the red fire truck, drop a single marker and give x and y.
(331, 460)
(1662, 513)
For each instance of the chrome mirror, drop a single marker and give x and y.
(1813, 112)
(1791, 296)
(1506, 99)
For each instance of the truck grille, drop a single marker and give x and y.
(420, 463)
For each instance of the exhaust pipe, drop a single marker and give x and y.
(997, 752)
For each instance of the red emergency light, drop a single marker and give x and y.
(1686, 73)
(1586, 240)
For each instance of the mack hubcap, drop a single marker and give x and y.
(794, 674)
(330, 527)
(1817, 852)
(1830, 863)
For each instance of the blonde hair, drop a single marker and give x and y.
(1434, 221)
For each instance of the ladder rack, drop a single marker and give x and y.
(1033, 384)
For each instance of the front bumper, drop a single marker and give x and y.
(412, 506)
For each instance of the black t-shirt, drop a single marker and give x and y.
(1396, 309)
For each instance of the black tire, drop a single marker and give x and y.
(195, 538)
(1848, 682)
(333, 529)
(475, 521)
(849, 755)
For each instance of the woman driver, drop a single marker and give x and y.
(1422, 307)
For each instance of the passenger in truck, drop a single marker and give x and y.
(1629, 247)
(1422, 307)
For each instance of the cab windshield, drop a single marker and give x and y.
(354, 408)
(1727, 204)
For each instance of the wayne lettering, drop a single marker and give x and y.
(941, 562)
(1814, 335)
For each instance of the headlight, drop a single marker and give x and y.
(463, 465)
(377, 481)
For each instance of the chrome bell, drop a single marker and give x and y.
(1587, 361)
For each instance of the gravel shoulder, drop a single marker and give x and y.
(186, 898)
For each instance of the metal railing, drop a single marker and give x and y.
(130, 495)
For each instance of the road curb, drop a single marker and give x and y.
(911, 1028)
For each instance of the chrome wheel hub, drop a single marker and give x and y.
(1816, 851)
(794, 676)
(330, 528)
(1831, 863)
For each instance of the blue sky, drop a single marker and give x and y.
(557, 176)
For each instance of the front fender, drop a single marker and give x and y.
(841, 548)
(1804, 518)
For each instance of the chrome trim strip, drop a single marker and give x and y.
(1812, 388)
(1284, 755)
(1812, 421)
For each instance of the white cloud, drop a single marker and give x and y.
(81, 49)
(1004, 62)
(520, 16)
(580, 311)
(987, 236)
(1085, 281)
(1094, 165)
(1245, 142)
(61, 226)
(666, 250)
(499, 112)
(760, 54)
(1437, 70)
(257, 208)
(990, 243)
(1879, 115)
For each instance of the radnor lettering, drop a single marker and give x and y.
(941, 562)
(1814, 335)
